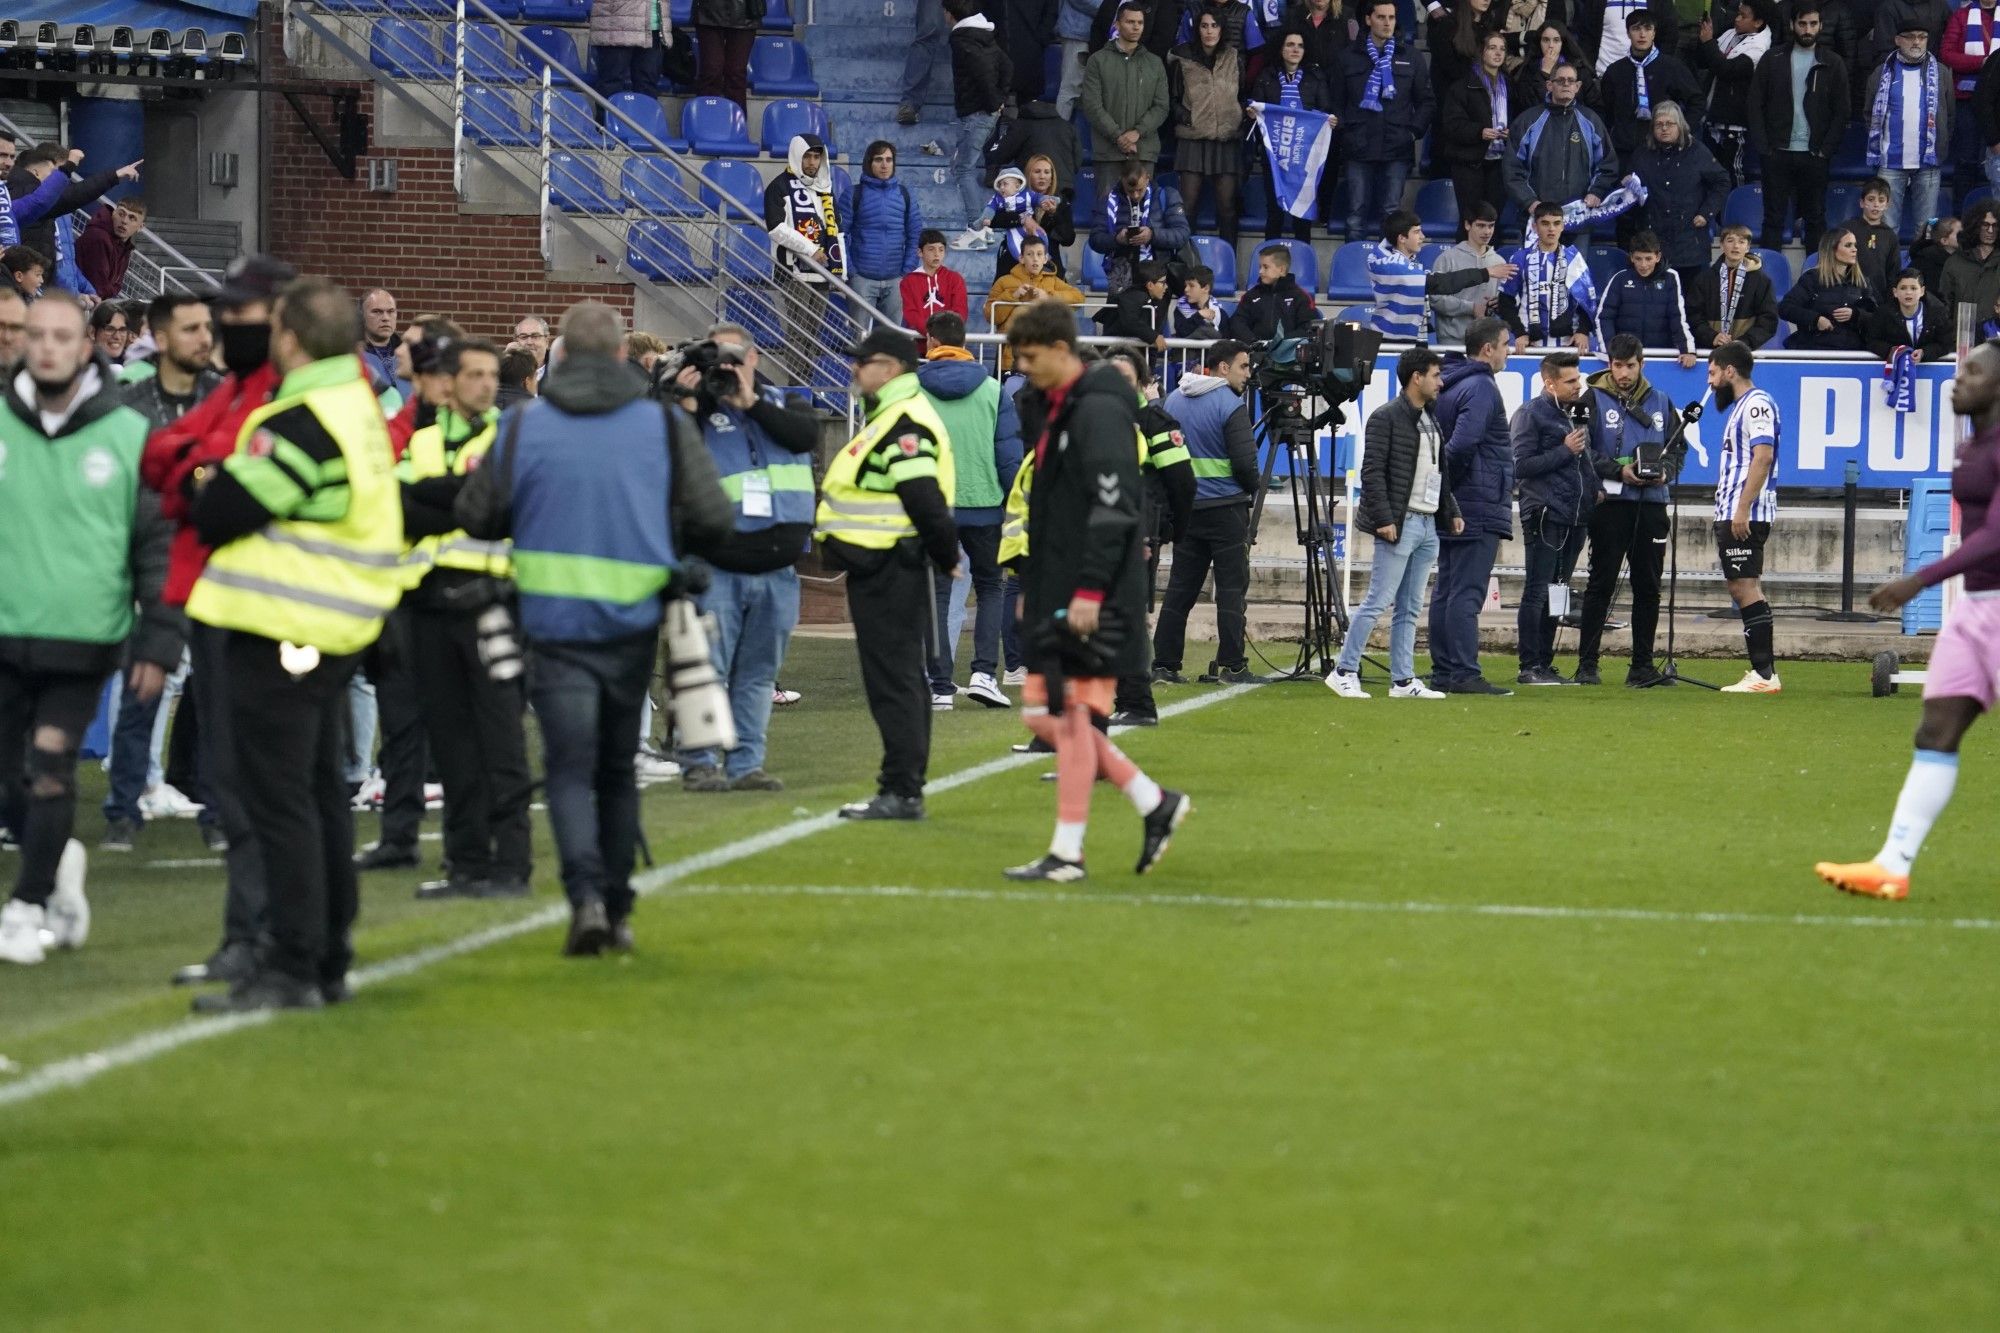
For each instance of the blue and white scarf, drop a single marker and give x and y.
(1978, 42)
(1288, 88)
(1024, 202)
(1887, 130)
(1645, 93)
(1496, 95)
(1631, 193)
(1899, 380)
(1381, 76)
(1120, 213)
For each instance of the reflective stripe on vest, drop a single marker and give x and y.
(455, 550)
(589, 577)
(323, 584)
(876, 519)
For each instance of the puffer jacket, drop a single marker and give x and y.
(1682, 183)
(1552, 480)
(1653, 309)
(723, 14)
(1478, 452)
(1389, 468)
(1207, 92)
(886, 225)
(624, 22)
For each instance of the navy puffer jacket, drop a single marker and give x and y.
(885, 225)
(1478, 450)
(1553, 479)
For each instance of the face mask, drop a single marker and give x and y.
(245, 346)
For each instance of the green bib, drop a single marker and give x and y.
(66, 512)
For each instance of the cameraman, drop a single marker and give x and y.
(764, 455)
(1557, 486)
(1630, 420)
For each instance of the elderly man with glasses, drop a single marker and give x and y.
(531, 335)
(1560, 153)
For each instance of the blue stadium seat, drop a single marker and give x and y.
(1094, 279)
(780, 67)
(1437, 205)
(1052, 71)
(643, 113)
(1850, 159)
(1347, 276)
(493, 116)
(561, 48)
(575, 12)
(656, 185)
(405, 49)
(746, 254)
(426, 8)
(489, 56)
(739, 179)
(1777, 343)
(1606, 261)
(791, 116)
(1972, 196)
(1305, 263)
(657, 250)
(1355, 314)
(577, 186)
(778, 17)
(1083, 209)
(843, 185)
(1428, 256)
(1217, 254)
(1778, 269)
(715, 128)
(573, 122)
(1745, 207)
(1843, 201)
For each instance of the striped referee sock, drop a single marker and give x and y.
(1757, 633)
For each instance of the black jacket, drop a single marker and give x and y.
(981, 73)
(1132, 314)
(1810, 298)
(1256, 316)
(1038, 129)
(1886, 330)
(1682, 183)
(1387, 135)
(1163, 25)
(1730, 78)
(1986, 100)
(1827, 101)
(1465, 111)
(1756, 317)
(1448, 64)
(1314, 90)
(1084, 513)
(1389, 467)
(83, 192)
(1550, 479)
(1325, 43)
(1586, 25)
(1667, 80)
(1234, 15)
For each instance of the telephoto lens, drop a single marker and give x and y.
(700, 704)
(499, 650)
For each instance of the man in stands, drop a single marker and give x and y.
(105, 248)
(1645, 76)
(1798, 111)
(1455, 314)
(1404, 286)
(1645, 301)
(111, 331)
(1382, 95)
(1551, 299)
(1560, 153)
(378, 329)
(21, 210)
(1124, 97)
(1276, 302)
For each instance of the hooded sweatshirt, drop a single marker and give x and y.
(985, 433)
(981, 71)
(803, 216)
(1216, 428)
(99, 253)
(925, 294)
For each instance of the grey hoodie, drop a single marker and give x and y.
(1452, 315)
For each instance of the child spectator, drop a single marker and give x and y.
(1733, 300)
(1913, 319)
(932, 287)
(1013, 209)
(1276, 302)
(1140, 311)
(26, 268)
(1551, 299)
(1990, 326)
(1455, 312)
(1196, 315)
(1404, 285)
(1936, 242)
(1645, 301)
(1030, 280)
(1880, 250)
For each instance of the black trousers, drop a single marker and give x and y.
(290, 742)
(891, 633)
(1794, 178)
(1624, 532)
(30, 701)
(403, 757)
(1217, 538)
(1476, 183)
(474, 726)
(245, 908)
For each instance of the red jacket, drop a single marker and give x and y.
(402, 426)
(923, 298)
(207, 434)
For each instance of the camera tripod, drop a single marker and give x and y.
(1282, 430)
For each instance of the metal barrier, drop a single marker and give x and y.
(607, 175)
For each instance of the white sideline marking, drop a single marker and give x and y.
(78, 1070)
(1533, 911)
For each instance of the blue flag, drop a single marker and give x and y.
(1296, 144)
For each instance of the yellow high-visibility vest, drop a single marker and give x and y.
(326, 583)
(1014, 521)
(862, 509)
(454, 550)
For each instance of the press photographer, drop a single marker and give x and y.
(1557, 487)
(1630, 425)
(764, 455)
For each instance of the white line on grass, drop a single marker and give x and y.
(78, 1070)
(1532, 911)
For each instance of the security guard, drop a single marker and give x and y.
(1166, 473)
(473, 720)
(306, 518)
(882, 515)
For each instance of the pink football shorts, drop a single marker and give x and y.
(1966, 662)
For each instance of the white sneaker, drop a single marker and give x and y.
(942, 703)
(1752, 683)
(1346, 684)
(972, 238)
(368, 796)
(1018, 676)
(433, 796)
(68, 912)
(784, 698)
(167, 801)
(651, 768)
(21, 933)
(986, 690)
(1414, 688)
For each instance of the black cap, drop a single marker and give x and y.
(886, 342)
(253, 278)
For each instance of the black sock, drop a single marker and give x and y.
(1757, 632)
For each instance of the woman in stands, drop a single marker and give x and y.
(1054, 211)
(1471, 137)
(1457, 38)
(1830, 302)
(1205, 79)
(1553, 46)
(1292, 82)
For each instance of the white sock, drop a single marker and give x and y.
(1143, 793)
(1068, 843)
(1926, 792)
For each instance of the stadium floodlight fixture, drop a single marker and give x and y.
(193, 46)
(120, 45)
(234, 51)
(159, 45)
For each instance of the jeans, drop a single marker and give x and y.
(587, 697)
(1550, 547)
(362, 718)
(982, 574)
(1373, 189)
(968, 161)
(1794, 177)
(138, 736)
(1072, 75)
(1398, 575)
(1920, 186)
(754, 618)
(885, 294)
(630, 69)
(929, 44)
(1463, 568)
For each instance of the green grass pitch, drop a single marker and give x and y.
(1316, 1072)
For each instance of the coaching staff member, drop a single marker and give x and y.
(1629, 525)
(885, 521)
(307, 524)
(1746, 503)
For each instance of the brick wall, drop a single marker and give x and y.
(486, 272)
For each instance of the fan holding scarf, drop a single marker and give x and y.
(809, 237)
(1909, 124)
(1139, 221)
(1383, 100)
